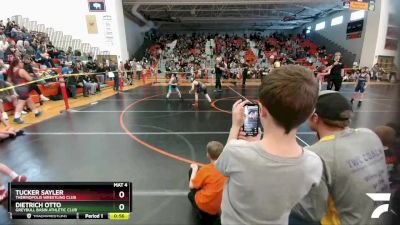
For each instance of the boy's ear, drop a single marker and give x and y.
(314, 118)
(263, 111)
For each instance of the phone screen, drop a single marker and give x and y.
(251, 118)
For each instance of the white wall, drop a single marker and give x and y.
(134, 36)
(387, 6)
(337, 33)
(371, 37)
(68, 16)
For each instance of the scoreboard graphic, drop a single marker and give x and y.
(71, 200)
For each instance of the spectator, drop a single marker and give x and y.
(268, 177)
(29, 69)
(3, 47)
(102, 71)
(354, 164)
(376, 72)
(139, 69)
(20, 47)
(387, 135)
(29, 49)
(89, 86)
(42, 57)
(3, 70)
(6, 96)
(93, 80)
(19, 76)
(72, 80)
(206, 185)
(9, 53)
(91, 66)
(115, 68)
(128, 71)
(69, 54)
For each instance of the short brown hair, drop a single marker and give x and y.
(289, 93)
(214, 149)
(386, 134)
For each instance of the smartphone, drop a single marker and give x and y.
(251, 119)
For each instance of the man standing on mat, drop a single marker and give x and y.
(336, 75)
(220, 67)
(245, 74)
(206, 185)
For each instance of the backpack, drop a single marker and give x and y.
(57, 97)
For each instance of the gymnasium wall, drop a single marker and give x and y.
(134, 36)
(337, 34)
(374, 44)
(225, 31)
(69, 16)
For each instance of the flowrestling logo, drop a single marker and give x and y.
(379, 197)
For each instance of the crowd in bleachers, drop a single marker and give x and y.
(190, 56)
(271, 51)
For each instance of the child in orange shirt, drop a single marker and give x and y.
(206, 185)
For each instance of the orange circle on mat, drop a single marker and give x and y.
(152, 147)
(140, 141)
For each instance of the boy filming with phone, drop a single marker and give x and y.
(262, 172)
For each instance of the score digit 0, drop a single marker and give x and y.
(121, 194)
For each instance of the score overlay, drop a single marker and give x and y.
(70, 200)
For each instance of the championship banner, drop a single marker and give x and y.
(91, 24)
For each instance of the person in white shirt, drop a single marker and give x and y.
(139, 69)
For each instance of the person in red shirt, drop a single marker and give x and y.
(206, 185)
(19, 76)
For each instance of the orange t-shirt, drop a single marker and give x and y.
(211, 184)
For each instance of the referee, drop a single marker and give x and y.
(335, 77)
(220, 67)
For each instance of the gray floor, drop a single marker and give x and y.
(90, 145)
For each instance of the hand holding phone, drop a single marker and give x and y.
(238, 114)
